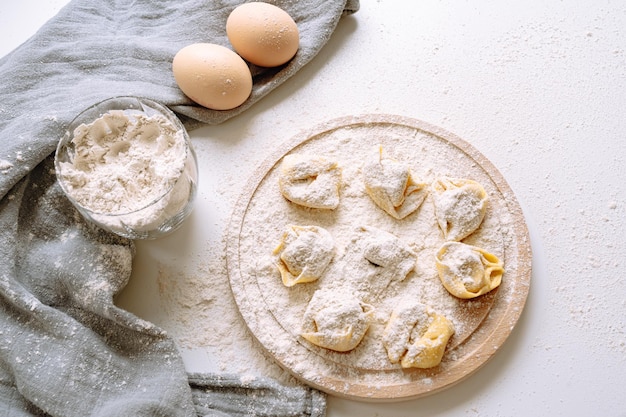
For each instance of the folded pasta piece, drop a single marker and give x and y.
(304, 253)
(468, 271)
(391, 185)
(336, 320)
(385, 250)
(428, 350)
(310, 181)
(377, 258)
(416, 336)
(460, 206)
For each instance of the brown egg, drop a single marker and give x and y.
(263, 34)
(212, 75)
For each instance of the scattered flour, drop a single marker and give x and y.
(5, 166)
(201, 313)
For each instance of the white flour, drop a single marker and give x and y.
(125, 162)
(5, 166)
(201, 313)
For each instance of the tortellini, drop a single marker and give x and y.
(460, 206)
(391, 185)
(377, 258)
(310, 181)
(304, 253)
(374, 266)
(336, 320)
(416, 336)
(467, 271)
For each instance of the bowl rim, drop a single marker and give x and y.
(141, 102)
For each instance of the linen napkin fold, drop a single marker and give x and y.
(65, 348)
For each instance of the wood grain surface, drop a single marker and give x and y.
(484, 324)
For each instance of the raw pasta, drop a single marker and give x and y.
(336, 320)
(392, 186)
(310, 181)
(468, 271)
(304, 253)
(460, 206)
(416, 336)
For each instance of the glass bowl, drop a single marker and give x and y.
(127, 165)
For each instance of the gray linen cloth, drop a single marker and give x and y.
(65, 348)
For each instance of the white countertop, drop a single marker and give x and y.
(540, 89)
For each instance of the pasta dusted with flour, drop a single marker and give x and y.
(336, 320)
(304, 253)
(468, 271)
(416, 336)
(310, 181)
(391, 185)
(376, 259)
(386, 294)
(460, 206)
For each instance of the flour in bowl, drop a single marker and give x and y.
(126, 169)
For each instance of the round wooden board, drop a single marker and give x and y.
(271, 310)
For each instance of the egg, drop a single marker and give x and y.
(263, 34)
(212, 75)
